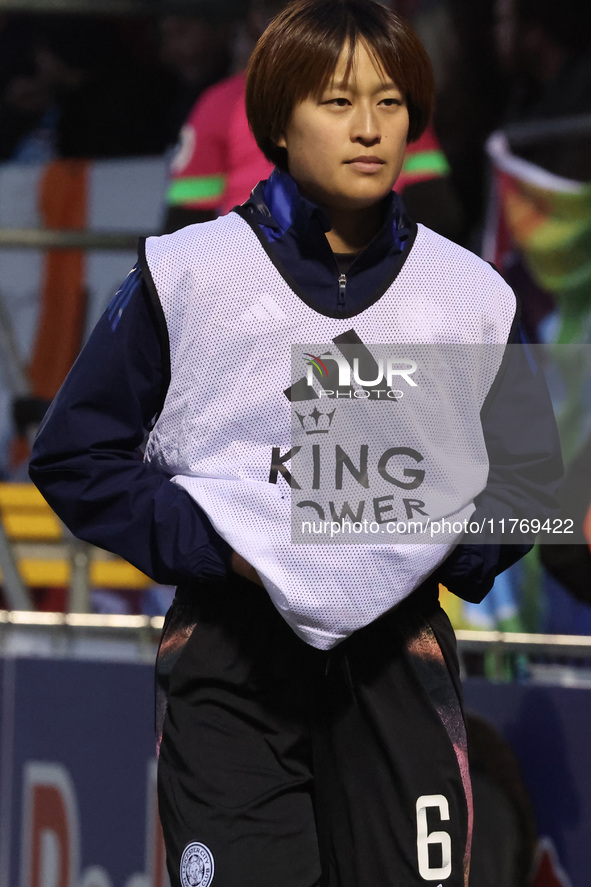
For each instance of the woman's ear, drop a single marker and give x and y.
(281, 142)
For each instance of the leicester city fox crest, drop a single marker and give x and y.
(197, 866)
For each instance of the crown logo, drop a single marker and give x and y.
(316, 422)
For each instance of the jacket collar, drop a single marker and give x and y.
(278, 208)
(292, 232)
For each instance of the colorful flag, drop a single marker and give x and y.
(547, 218)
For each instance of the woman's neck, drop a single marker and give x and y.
(351, 232)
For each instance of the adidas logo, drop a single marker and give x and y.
(263, 310)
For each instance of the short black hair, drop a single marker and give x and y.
(299, 51)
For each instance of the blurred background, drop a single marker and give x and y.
(121, 118)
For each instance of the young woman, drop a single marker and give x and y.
(309, 717)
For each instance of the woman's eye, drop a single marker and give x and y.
(339, 102)
(391, 102)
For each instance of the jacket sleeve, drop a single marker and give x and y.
(525, 472)
(87, 456)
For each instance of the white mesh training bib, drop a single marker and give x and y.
(264, 464)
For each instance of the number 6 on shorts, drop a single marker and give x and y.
(425, 839)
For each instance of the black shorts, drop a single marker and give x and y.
(285, 766)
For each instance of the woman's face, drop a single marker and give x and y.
(346, 147)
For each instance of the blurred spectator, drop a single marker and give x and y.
(547, 53)
(470, 96)
(111, 105)
(217, 161)
(196, 45)
(24, 98)
(87, 86)
(78, 91)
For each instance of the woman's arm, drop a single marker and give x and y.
(524, 475)
(87, 458)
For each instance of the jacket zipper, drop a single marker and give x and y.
(342, 291)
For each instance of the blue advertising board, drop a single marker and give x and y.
(79, 770)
